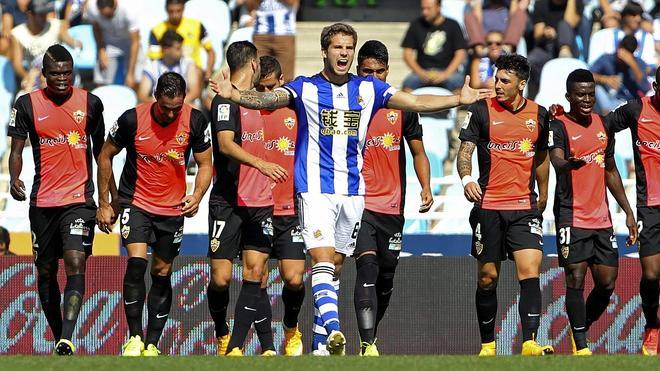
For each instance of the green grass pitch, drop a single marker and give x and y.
(309, 363)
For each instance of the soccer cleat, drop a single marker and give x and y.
(369, 350)
(336, 344)
(651, 341)
(151, 351)
(320, 351)
(532, 348)
(488, 349)
(64, 347)
(269, 353)
(133, 347)
(236, 352)
(583, 352)
(293, 345)
(223, 342)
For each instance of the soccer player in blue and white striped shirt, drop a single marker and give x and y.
(334, 108)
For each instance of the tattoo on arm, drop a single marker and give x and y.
(464, 162)
(257, 100)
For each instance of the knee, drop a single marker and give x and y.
(651, 274)
(293, 280)
(161, 269)
(575, 279)
(488, 280)
(253, 273)
(220, 280)
(606, 285)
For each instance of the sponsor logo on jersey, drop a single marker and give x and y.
(256, 136)
(524, 146)
(597, 157)
(649, 144)
(73, 139)
(78, 228)
(282, 144)
(332, 125)
(388, 141)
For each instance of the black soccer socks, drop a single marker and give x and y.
(597, 302)
(134, 293)
(218, 301)
(486, 302)
(159, 302)
(648, 290)
(384, 288)
(529, 307)
(49, 296)
(364, 296)
(263, 322)
(293, 300)
(245, 313)
(73, 295)
(577, 316)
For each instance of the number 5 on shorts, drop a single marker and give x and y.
(218, 226)
(125, 216)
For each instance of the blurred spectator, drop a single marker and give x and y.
(619, 77)
(493, 15)
(14, 13)
(72, 12)
(275, 31)
(117, 34)
(555, 27)
(482, 69)
(4, 242)
(434, 49)
(31, 39)
(345, 3)
(172, 60)
(193, 32)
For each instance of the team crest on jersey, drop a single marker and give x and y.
(78, 116)
(601, 136)
(360, 101)
(215, 244)
(289, 122)
(125, 231)
(478, 247)
(181, 137)
(531, 124)
(564, 251)
(392, 116)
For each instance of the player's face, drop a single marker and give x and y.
(582, 97)
(173, 53)
(175, 13)
(508, 86)
(59, 77)
(339, 55)
(430, 10)
(373, 67)
(270, 82)
(168, 109)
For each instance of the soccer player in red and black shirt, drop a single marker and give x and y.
(643, 118)
(158, 138)
(60, 120)
(280, 132)
(510, 133)
(379, 239)
(241, 207)
(582, 153)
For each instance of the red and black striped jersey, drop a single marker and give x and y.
(643, 119)
(61, 132)
(238, 184)
(507, 142)
(384, 168)
(581, 194)
(154, 175)
(280, 133)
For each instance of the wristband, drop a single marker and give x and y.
(467, 179)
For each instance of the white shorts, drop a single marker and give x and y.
(330, 220)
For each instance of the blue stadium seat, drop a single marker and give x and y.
(85, 58)
(553, 80)
(7, 91)
(216, 17)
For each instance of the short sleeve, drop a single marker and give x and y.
(204, 38)
(200, 138)
(611, 142)
(624, 116)
(19, 118)
(410, 39)
(122, 133)
(474, 121)
(95, 123)
(382, 93)
(542, 142)
(556, 136)
(225, 115)
(294, 87)
(133, 21)
(457, 36)
(412, 129)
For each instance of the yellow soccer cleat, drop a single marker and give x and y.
(532, 348)
(223, 342)
(336, 344)
(236, 352)
(293, 345)
(488, 349)
(370, 350)
(583, 352)
(651, 342)
(269, 353)
(133, 347)
(151, 351)
(64, 347)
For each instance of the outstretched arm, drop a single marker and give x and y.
(431, 103)
(615, 185)
(249, 98)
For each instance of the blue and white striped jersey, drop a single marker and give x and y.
(332, 126)
(275, 18)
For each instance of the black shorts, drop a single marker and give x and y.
(496, 234)
(56, 229)
(381, 233)
(287, 238)
(236, 228)
(163, 233)
(648, 225)
(596, 246)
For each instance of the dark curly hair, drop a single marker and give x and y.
(514, 63)
(373, 49)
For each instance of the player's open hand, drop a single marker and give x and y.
(427, 200)
(272, 170)
(556, 110)
(105, 217)
(472, 192)
(17, 190)
(633, 233)
(221, 85)
(190, 206)
(470, 95)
